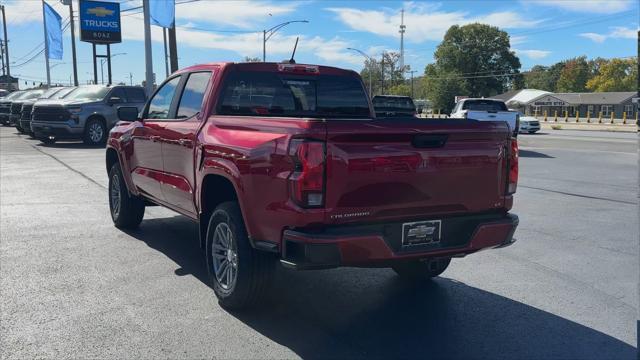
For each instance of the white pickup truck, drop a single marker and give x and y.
(486, 110)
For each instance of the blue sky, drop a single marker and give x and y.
(542, 32)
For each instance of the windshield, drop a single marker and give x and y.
(484, 105)
(13, 95)
(89, 93)
(273, 94)
(64, 93)
(33, 94)
(392, 102)
(49, 93)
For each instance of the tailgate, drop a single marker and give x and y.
(414, 168)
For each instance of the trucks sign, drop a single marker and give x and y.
(100, 22)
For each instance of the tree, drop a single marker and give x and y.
(615, 75)
(400, 89)
(481, 54)
(442, 87)
(393, 74)
(574, 75)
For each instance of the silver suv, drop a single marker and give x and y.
(88, 113)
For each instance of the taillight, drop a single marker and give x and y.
(306, 183)
(513, 167)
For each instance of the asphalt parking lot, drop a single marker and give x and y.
(74, 286)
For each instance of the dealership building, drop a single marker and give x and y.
(536, 102)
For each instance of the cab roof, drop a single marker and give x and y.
(267, 66)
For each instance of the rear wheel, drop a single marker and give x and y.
(20, 129)
(238, 273)
(126, 211)
(420, 270)
(95, 132)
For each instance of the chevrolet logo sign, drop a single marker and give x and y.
(100, 11)
(421, 231)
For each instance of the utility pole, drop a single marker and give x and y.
(382, 74)
(402, 30)
(147, 49)
(2, 55)
(412, 71)
(6, 43)
(166, 58)
(73, 41)
(130, 79)
(46, 46)
(173, 49)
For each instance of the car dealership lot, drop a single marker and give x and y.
(72, 285)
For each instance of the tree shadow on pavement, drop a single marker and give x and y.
(371, 313)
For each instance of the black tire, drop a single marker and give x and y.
(95, 132)
(253, 269)
(421, 270)
(20, 129)
(126, 211)
(48, 140)
(532, 132)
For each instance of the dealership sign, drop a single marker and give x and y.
(100, 22)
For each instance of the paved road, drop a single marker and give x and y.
(73, 286)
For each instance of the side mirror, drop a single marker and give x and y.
(128, 113)
(115, 100)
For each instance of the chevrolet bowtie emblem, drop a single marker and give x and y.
(100, 11)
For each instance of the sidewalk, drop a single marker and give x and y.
(590, 127)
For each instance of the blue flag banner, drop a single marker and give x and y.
(162, 12)
(53, 31)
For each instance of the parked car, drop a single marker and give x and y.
(486, 109)
(27, 105)
(5, 106)
(393, 106)
(16, 107)
(287, 162)
(4, 93)
(529, 124)
(87, 113)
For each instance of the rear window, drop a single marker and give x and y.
(484, 105)
(273, 94)
(400, 103)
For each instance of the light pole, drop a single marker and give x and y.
(371, 61)
(102, 61)
(267, 34)
(411, 71)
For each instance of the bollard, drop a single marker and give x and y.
(566, 116)
(636, 117)
(555, 116)
(588, 116)
(578, 116)
(612, 115)
(624, 117)
(600, 117)
(545, 116)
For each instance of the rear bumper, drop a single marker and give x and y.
(380, 245)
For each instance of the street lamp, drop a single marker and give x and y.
(371, 61)
(102, 61)
(411, 71)
(267, 34)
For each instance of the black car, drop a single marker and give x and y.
(5, 106)
(389, 106)
(27, 106)
(16, 107)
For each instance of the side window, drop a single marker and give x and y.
(135, 95)
(117, 96)
(192, 95)
(161, 102)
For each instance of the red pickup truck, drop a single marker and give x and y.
(287, 162)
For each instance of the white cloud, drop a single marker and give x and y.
(590, 6)
(23, 12)
(424, 22)
(517, 40)
(617, 32)
(242, 14)
(599, 38)
(248, 44)
(534, 54)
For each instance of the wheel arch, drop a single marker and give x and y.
(214, 190)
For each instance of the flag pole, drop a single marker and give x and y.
(46, 45)
(147, 49)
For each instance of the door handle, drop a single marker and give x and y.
(154, 138)
(185, 142)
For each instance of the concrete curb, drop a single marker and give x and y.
(592, 127)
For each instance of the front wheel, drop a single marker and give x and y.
(126, 211)
(420, 270)
(238, 273)
(95, 132)
(48, 140)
